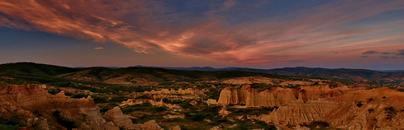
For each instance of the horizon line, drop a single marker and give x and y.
(190, 68)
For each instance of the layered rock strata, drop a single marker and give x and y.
(341, 107)
(276, 96)
(32, 105)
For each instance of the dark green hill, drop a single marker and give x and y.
(23, 73)
(347, 74)
(160, 74)
(34, 69)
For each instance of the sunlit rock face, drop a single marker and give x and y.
(297, 113)
(39, 110)
(37, 106)
(341, 107)
(275, 96)
(229, 95)
(115, 115)
(369, 109)
(172, 94)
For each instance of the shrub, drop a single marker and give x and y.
(359, 104)
(196, 115)
(119, 98)
(106, 107)
(79, 95)
(260, 86)
(8, 127)
(320, 124)
(54, 91)
(65, 122)
(251, 111)
(158, 109)
(390, 112)
(99, 99)
(10, 123)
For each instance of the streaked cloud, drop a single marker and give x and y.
(211, 33)
(385, 55)
(98, 48)
(400, 52)
(370, 52)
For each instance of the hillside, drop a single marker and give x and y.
(32, 73)
(34, 69)
(357, 75)
(352, 74)
(44, 96)
(166, 74)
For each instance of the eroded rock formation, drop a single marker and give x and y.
(160, 103)
(179, 91)
(250, 80)
(341, 107)
(115, 115)
(33, 105)
(276, 96)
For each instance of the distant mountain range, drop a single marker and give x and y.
(363, 75)
(386, 76)
(377, 76)
(207, 68)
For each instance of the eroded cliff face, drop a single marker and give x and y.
(341, 107)
(276, 96)
(36, 108)
(116, 116)
(34, 105)
(295, 114)
(368, 109)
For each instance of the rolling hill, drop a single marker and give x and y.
(162, 74)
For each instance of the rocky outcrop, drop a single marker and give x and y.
(368, 109)
(297, 113)
(341, 107)
(315, 92)
(26, 101)
(224, 112)
(252, 98)
(211, 102)
(32, 105)
(176, 128)
(160, 103)
(175, 95)
(179, 91)
(118, 118)
(355, 109)
(229, 95)
(172, 116)
(149, 125)
(276, 96)
(251, 80)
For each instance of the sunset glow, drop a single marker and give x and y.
(262, 34)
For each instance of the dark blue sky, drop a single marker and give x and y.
(256, 33)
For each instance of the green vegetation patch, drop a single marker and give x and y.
(145, 107)
(10, 124)
(250, 111)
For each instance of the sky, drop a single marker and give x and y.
(365, 34)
